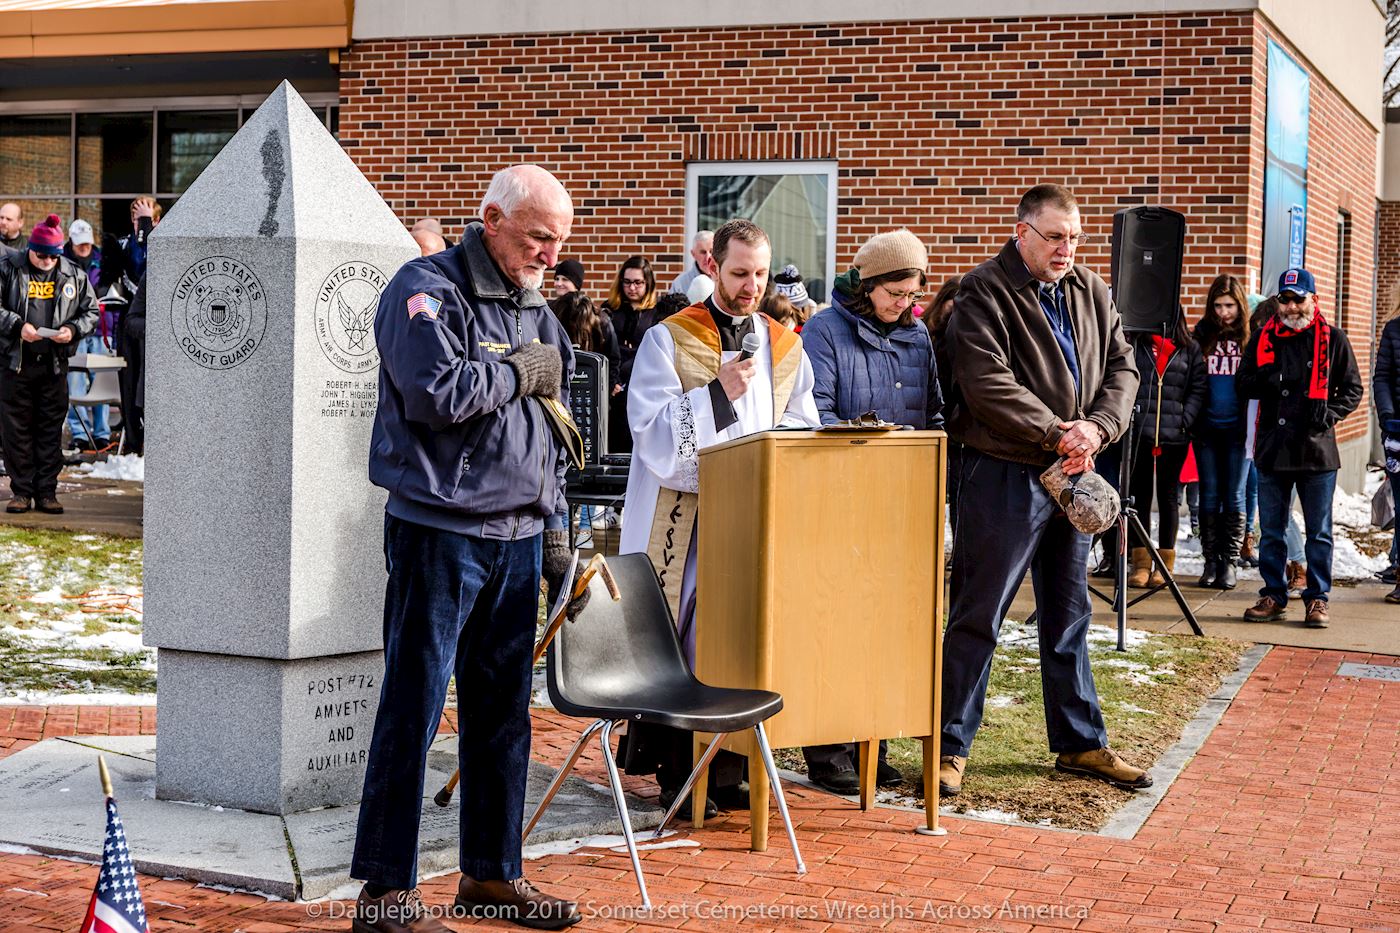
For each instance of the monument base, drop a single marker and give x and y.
(51, 802)
(262, 734)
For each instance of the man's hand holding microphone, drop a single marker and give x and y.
(734, 376)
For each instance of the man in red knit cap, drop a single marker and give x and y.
(46, 306)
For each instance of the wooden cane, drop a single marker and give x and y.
(597, 565)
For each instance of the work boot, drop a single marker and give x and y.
(49, 506)
(394, 912)
(1210, 572)
(1104, 764)
(1248, 556)
(1228, 540)
(1142, 569)
(1169, 558)
(1317, 614)
(518, 901)
(1297, 578)
(668, 797)
(1267, 609)
(950, 772)
(18, 505)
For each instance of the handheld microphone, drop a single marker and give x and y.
(751, 345)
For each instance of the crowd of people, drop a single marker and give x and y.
(60, 295)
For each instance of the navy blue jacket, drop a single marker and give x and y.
(857, 370)
(452, 444)
(1385, 380)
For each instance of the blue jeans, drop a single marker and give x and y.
(463, 605)
(1275, 494)
(1291, 535)
(1220, 464)
(78, 384)
(1008, 524)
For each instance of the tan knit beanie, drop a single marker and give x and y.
(890, 252)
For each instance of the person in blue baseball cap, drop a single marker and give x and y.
(1304, 374)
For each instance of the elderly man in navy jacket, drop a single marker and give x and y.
(476, 488)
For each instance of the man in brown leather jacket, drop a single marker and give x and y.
(1039, 338)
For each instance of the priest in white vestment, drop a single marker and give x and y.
(693, 387)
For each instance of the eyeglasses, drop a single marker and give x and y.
(626, 282)
(900, 296)
(1292, 299)
(1055, 239)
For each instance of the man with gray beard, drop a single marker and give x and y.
(1304, 374)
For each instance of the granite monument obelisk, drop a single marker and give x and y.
(264, 567)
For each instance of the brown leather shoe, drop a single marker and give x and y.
(395, 912)
(1104, 764)
(1267, 609)
(50, 506)
(1297, 577)
(950, 772)
(18, 505)
(1317, 614)
(518, 901)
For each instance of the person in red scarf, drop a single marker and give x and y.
(1304, 374)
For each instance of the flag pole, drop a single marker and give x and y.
(106, 778)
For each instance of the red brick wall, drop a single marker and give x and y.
(1341, 176)
(937, 126)
(1388, 266)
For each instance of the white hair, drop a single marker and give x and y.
(511, 187)
(701, 235)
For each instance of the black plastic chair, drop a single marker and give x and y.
(622, 662)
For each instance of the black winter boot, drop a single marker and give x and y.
(1211, 570)
(1230, 535)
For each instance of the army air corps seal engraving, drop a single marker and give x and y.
(345, 306)
(219, 312)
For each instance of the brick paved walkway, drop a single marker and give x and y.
(1287, 819)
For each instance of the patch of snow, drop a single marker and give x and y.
(117, 466)
(614, 843)
(1108, 635)
(53, 594)
(1001, 702)
(995, 816)
(54, 698)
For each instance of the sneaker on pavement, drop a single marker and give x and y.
(1267, 609)
(1104, 764)
(1317, 614)
(950, 772)
(394, 912)
(518, 901)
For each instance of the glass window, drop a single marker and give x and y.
(36, 155)
(187, 142)
(114, 153)
(794, 203)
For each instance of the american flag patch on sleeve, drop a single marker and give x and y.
(422, 303)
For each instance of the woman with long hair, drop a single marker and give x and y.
(935, 318)
(1222, 333)
(588, 329)
(1170, 395)
(632, 306)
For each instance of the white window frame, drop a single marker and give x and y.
(694, 171)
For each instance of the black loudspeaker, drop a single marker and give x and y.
(1148, 243)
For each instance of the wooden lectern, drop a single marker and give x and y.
(820, 576)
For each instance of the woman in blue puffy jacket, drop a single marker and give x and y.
(869, 353)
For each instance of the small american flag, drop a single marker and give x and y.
(423, 304)
(116, 902)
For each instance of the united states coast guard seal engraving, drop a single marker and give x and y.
(345, 306)
(219, 312)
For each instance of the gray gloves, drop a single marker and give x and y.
(538, 369)
(557, 557)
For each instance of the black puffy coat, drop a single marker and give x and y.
(1385, 381)
(1183, 392)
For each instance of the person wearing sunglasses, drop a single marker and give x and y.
(1304, 374)
(1041, 373)
(869, 353)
